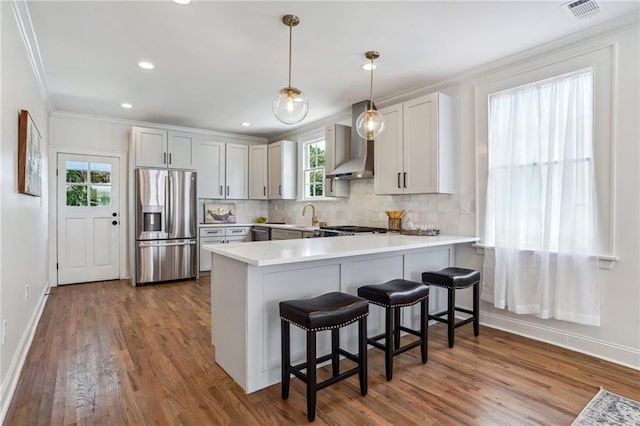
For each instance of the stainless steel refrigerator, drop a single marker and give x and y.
(166, 225)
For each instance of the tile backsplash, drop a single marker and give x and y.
(453, 214)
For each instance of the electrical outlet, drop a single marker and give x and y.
(26, 292)
(4, 331)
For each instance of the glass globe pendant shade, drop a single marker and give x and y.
(290, 106)
(370, 124)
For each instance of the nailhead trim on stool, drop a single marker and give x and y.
(453, 279)
(394, 295)
(329, 311)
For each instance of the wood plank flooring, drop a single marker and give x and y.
(108, 354)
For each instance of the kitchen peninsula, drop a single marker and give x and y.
(249, 280)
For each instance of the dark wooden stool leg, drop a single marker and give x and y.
(476, 309)
(396, 328)
(362, 354)
(424, 318)
(389, 342)
(311, 375)
(286, 361)
(335, 356)
(451, 314)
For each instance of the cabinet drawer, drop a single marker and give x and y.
(237, 232)
(211, 232)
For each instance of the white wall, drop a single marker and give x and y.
(618, 337)
(23, 218)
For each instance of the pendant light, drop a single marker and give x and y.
(291, 105)
(370, 123)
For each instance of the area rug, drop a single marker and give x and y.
(607, 408)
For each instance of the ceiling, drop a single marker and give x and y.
(218, 64)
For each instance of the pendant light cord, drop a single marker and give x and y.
(371, 87)
(290, 41)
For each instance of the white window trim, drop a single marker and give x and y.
(303, 139)
(603, 60)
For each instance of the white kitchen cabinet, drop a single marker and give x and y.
(222, 169)
(285, 234)
(237, 172)
(258, 172)
(415, 153)
(210, 162)
(220, 235)
(333, 158)
(282, 159)
(162, 148)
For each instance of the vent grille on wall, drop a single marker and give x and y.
(581, 9)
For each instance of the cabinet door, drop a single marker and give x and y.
(388, 175)
(258, 172)
(421, 145)
(180, 150)
(150, 147)
(237, 187)
(209, 162)
(275, 171)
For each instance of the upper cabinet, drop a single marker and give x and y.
(258, 172)
(222, 169)
(415, 154)
(333, 158)
(162, 148)
(282, 159)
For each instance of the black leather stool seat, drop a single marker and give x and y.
(393, 296)
(451, 277)
(331, 310)
(394, 293)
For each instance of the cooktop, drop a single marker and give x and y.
(355, 228)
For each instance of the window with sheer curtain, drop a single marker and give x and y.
(540, 219)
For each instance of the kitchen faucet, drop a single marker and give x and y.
(314, 218)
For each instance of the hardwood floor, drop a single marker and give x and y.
(108, 353)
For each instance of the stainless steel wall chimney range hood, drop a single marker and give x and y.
(359, 165)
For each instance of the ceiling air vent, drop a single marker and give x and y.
(581, 9)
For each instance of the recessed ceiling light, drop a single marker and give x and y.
(145, 65)
(126, 105)
(181, 1)
(245, 124)
(368, 67)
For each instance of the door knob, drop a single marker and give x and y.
(114, 214)
(115, 222)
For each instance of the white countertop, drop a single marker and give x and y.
(264, 253)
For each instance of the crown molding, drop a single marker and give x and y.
(126, 122)
(28, 35)
(577, 39)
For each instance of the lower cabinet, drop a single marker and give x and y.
(220, 235)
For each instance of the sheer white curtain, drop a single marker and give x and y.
(540, 229)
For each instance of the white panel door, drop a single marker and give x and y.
(237, 172)
(209, 162)
(88, 218)
(421, 145)
(389, 168)
(258, 172)
(180, 148)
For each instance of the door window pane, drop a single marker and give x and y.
(76, 195)
(101, 196)
(77, 171)
(100, 173)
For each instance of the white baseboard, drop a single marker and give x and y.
(618, 354)
(8, 387)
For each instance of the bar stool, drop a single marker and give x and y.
(329, 311)
(453, 279)
(394, 295)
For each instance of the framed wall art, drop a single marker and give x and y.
(29, 156)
